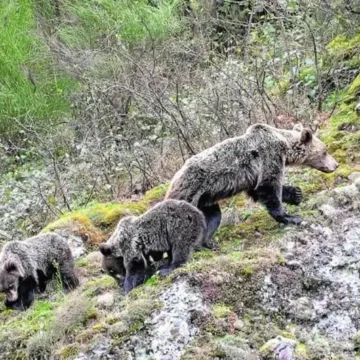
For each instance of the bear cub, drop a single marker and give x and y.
(26, 267)
(173, 227)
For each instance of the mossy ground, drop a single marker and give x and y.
(97, 220)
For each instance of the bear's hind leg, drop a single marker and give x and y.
(68, 277)
(269, 195)
(213, 219)
(291, 195)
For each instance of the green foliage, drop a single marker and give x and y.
(124, 22)
(344, 45)
(31, 90)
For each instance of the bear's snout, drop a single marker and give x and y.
(330, 165)
(12, 295)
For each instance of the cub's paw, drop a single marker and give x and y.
(296, 220)
(297, 196)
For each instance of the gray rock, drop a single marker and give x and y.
(349, 191)
(105, 300)
(279, 348)
(75, 243)
(357, 108)
(328, 211)
(239, 324)
(235, 348)
(353, 176)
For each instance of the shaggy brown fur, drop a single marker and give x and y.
(173, 227)
(255, 163)
(26, 266)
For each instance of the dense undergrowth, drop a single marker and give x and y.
(101, 101)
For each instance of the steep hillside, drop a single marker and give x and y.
(102, 101)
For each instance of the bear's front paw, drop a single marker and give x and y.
(165, 271)
(296, 220)
(292, 195)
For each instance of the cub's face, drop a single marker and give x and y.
(312, 152)
(10, 275)
(114, 266)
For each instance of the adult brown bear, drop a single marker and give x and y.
(255, 163)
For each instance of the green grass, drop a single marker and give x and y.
(121, 22)
(30, 90)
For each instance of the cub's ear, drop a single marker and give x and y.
(105, 249)
(15, 268)
(306, 136)
(298, 127)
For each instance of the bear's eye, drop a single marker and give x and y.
(112, 272)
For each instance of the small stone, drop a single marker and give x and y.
(105, 300)
(353, 176)
(357, 108)
(118, 328)
(349, 191)
(357, 183)
(238, 324)
(328, 211)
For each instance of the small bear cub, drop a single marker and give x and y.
(174, 227)
(26, 267)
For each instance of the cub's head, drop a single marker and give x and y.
(308, 150)
(119, 242)
(114, 266)
(11, 272)
(118, 246)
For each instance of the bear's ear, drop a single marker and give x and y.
(306, 136)
(105, 249)
(14, 268)
(298, 127)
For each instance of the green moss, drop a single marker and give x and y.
(301, 351)
(17, 327)
(258, 225)
(354, 88)
(346, 49)
(248, 270)
(155, 194)
(99, 328)
(343, 145)
(356, 340)
(153, 281)
(342, 45)
(82, 262)
(69, 352)
(281, 260)
(221, 311)
(97, 220)
(104, 283)
(238, 201)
